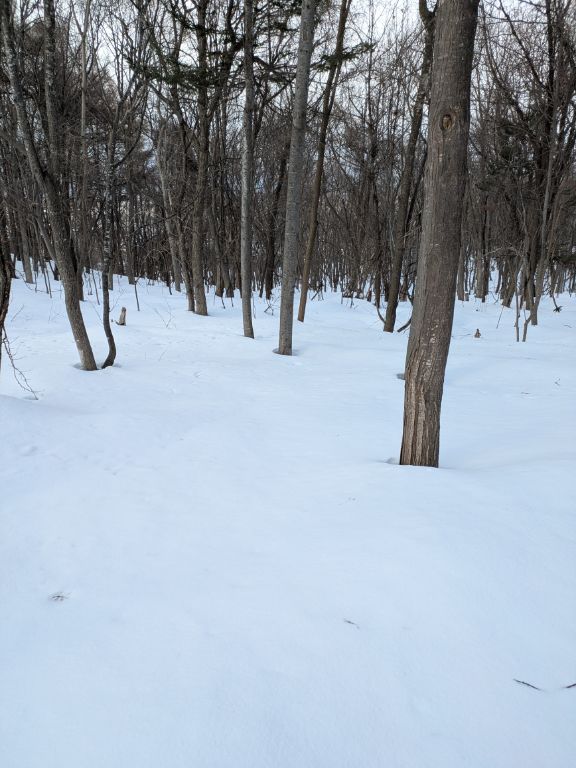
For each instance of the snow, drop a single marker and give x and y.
(210, 557)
